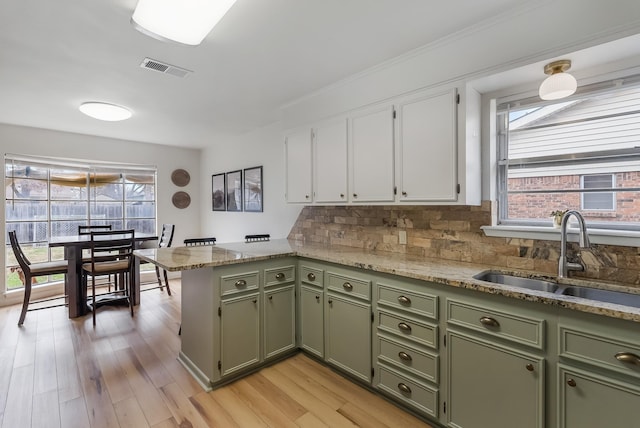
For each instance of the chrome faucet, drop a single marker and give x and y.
(563, 265)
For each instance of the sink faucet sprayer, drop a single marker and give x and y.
(565, 266)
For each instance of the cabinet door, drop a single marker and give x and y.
(330, 162)
(240, 333)
(279, 320)
(493, 386)
(298, 158)
(428, 148)
(372, 157)
(312, 320)
(591, 400)
(348, 332)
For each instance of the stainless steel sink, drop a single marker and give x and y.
(609, 296)
(517, 281)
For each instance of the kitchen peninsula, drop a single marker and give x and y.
(406, 326)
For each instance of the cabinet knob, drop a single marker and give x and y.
(279, 276)
(404, 193)
(404, 356)
(342, 195)
(317, 298)
(311, 276)
(347, 286)
(270, 297)
(489, 322)
(330, 301)
(404, 300)
(241, 283)
(404, 327)
(306, 196)
(255, 300)
(404, 388)
(628, 358)
(530, 367)
(355, 195)
(572, 383)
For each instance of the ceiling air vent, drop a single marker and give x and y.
(161, 67)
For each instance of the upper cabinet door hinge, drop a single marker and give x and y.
(458, 188)
(445, 341)
(395, 190)
(394, 113)
(458, 99)
(219, 311)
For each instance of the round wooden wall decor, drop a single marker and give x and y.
(180, 177)
(181, 200)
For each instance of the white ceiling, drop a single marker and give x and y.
(55, 55)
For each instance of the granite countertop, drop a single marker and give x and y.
(455, 274)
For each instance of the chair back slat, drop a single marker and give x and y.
(167, 235)
(23, 261)
(115, 245)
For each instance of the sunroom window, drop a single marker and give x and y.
(580, 153)
(52, 197)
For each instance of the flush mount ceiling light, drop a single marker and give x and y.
(105, 111)
(559, 84)
(182, 21)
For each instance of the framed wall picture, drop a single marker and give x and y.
(234, 190)
(218, 199)
(253, 189)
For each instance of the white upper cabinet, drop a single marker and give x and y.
(427, 148)
(330, 162)
(371, 155)
(298, 164)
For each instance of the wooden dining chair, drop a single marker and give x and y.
(165, 240)
(33, 270)
(84, 229)
(111, 254)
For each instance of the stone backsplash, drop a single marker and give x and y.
(453, 233)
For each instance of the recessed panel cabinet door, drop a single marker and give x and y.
(279, 320)
(428, 148)
(312, 320)
(240, 333)
(493, 386)
(372, 155)
(330, 162)
(298, 158)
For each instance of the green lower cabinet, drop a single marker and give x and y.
(312, 320)
(240, 333)
(587, 399)
(348, 335)
(279, 320)
(493, 386)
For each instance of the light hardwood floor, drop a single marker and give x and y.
(56, 372)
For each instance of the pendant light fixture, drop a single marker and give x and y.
(559, 84)
(182, 21)
(105, 111)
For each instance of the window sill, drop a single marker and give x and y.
(623, 238)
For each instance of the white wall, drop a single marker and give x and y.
(262, 147)
(41, 142)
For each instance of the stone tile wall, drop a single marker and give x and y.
(453, 233)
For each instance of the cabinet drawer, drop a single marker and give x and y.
(279, 275)
(419, 332)
(606, 352)
(417, 362)
(409, 391)
(506, 325)
(417, 303)
(231, 284)
(355, 287)
(311, 275)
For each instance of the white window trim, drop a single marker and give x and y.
(613, 197)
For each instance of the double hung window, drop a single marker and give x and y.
(51, 197)
(580, 153)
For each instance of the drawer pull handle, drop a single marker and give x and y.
(347, 286)
(529, 367)
(241, 283)
(311, 276)
(489, 322)
(628, 357)
(404, 300)
(404, 388)
(279, 275)
(572, 383)
(404, 356)
(404, 327)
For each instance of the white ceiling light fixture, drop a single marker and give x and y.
(183, 21)
(105, 111)
(559, 84)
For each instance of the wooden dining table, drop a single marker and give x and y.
(76, 293)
